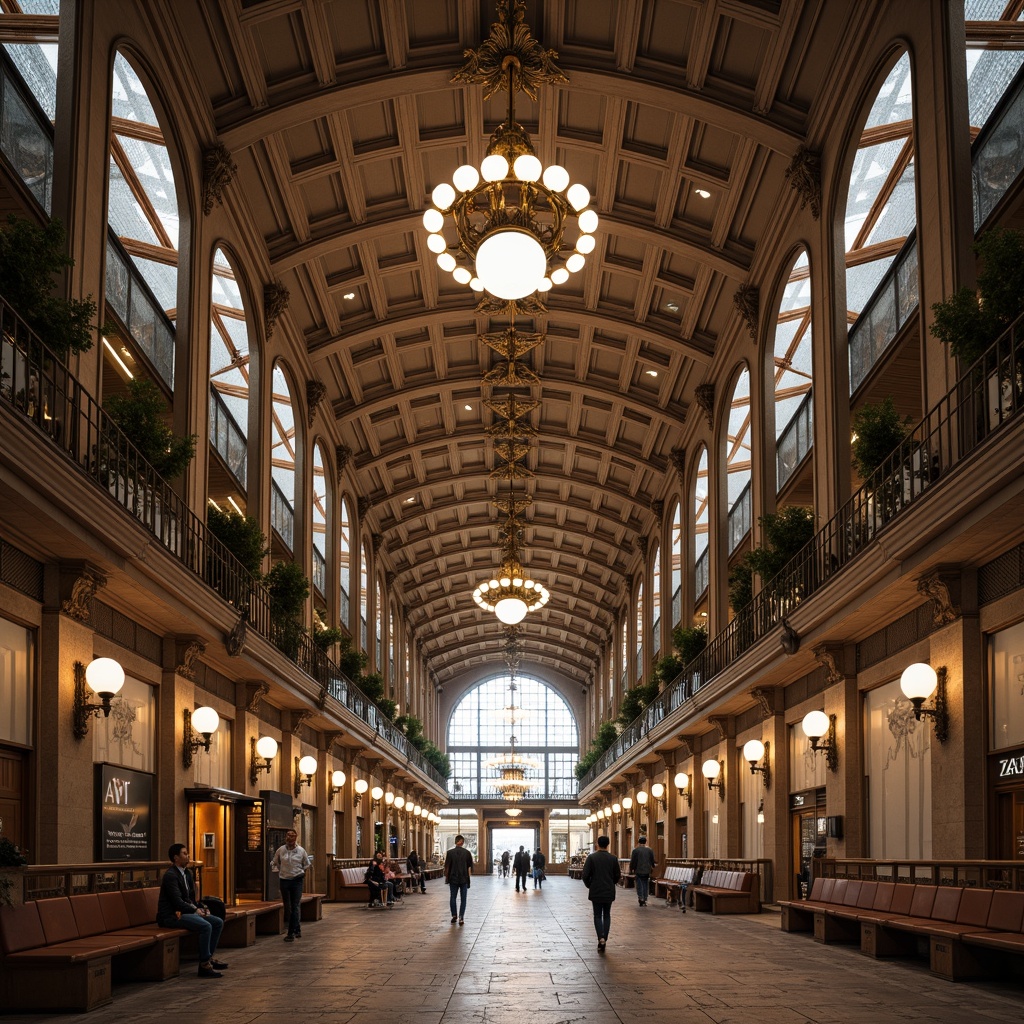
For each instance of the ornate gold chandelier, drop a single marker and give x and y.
(512, 782)
(510, 216)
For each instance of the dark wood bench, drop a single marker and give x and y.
(626, 880)
(63, 953)
(727, 892)
(671, 884)
(969, 932)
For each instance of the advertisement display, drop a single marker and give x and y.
(124, 799)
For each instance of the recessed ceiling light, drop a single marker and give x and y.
(672, 307)
(469, 408)
(410, 501)
(652, 373)
(350, 295)
(703, 193)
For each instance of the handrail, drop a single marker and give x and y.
(41, 881)
(35, 385)
(985, 398)
(989, 874)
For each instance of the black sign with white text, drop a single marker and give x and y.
(124, 799)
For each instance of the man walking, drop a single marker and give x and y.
(539, 861)
(601, 873)
(458, 867)
(178, 907)
(641, 867)
(291, 862)
(521, 866)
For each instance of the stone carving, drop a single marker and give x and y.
(687, 745)
(275, 302)
(827, 657)
(377, 540)
(235, 642)
(658, 508)
(704, 396)
(747, 301)
(315, 392)
(299, 719)
(724, 725)
(342, 457)
(363, 506)
(790, 638)
(640, 545)
(187, 668)
(804, 175)
(389, 578)
(935, 588)
(256, 692)
(678, 459)
(765, 698)
(218, 171)
(78, 606)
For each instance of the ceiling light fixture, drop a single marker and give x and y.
(703, 193)
(511, 214)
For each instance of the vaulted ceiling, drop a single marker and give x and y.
(342, 117)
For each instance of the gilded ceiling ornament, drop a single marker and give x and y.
(529, 305)
(256, 692)
(316, 390)
(804, 175)
(342, 457)
(511, 343)
(78, 605)
(187, 667)
(747, 301)
(510, 58)
(275, 302)
(511, 375)
(704, 396)
(218, 170)
(934, 587)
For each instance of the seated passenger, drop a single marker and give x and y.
(376, 882)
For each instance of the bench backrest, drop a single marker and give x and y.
(57, 919)
(827, 889)
(88, 917)
(141, 904)
(923, 901)
(884, 892)
(902, 898)
(975, 905)
(839, 890)
(1007, 913)
(115, 914)
(353, 876)
(947, 903)
(20, 928)
(866, 900)
(819, 884)
(852, 893)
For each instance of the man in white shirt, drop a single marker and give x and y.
(291, 861)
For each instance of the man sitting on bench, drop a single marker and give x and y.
(380, 888)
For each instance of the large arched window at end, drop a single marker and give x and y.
(479, 730)
(344, 564)
(142, 212)
(229, 387)
(701, 550)
(282, 460)
(792, 376)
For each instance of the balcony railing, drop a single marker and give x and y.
(987, 397)
(26, 135)
(227, 438)
(38, 388)
(795, 442)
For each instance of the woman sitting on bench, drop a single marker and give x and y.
(381, 890)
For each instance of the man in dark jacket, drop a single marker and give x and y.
(521, 866)
(539, 861)
(418, 870)
(601, 874)
(178, 907)
(458, 867)
(641, 867)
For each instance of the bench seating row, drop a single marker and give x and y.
(350, 883)
(63, 953)
(728, 892)
(967, 932)
(670, 885)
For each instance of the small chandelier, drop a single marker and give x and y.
(512, 782)
(511, 214)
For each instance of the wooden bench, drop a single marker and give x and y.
(727, 892)
(671, 884)
(970, 932)
(63, 953)
(626, 880)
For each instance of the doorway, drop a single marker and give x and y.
(510, 839)
(1010, 825)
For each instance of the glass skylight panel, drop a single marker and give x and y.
(162, 281)
(893, 102)
(152, 166)
(899, 215)
(124, 214)
(129, 99)
(37, 65)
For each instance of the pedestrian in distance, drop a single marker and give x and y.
(290, 863)
(178, 907)
(641, 867)
(521, 866)
(506, 863)
(601, 873)
(418, 870)
(458, 869)
(538, 869)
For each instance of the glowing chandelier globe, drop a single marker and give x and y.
(510, 595)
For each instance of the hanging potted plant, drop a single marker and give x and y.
(242, 536)
(878, 431)
(289, 590)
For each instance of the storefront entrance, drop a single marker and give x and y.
(809, 825)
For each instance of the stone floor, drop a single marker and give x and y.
(533, 959)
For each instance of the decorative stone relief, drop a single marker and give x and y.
(256, 692)
(658, 508)
(766, 699)
(363, 506)
(804, 175)
(218, 171)
(704, 396)
(678, 459)
(78, 604)
(315, 392)
(934, 587)
(724, 725)
(747, 301)
(827, 656)
(299, 719)
(191, 651)
(342, 457)
(275, 302)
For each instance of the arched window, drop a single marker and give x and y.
(656, 604)
(344, 564)
(737, 462)
(364, 594)
(547, 734)
(142, 210)
(793, 409)
(677, 563)
(282, 460)
(701, 574)
(229, 385)
(639, 630)
(318, 522)
(623, 654)
(378, 649)
(396, 691)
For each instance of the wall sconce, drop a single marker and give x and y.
(760, 813)
(375, 794)
(616, 808)
(918, 682)
(682, 783)
(304, 766)
(642, 797)
(753, 752)
(104, 677)
(600, 815)
(265, 747)
(712, 771)
(399, 802)
(627, 807)
(361, 786)
(817, 724)
(658, 792)
(389, 798)
(337, 781)
(203, 721)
